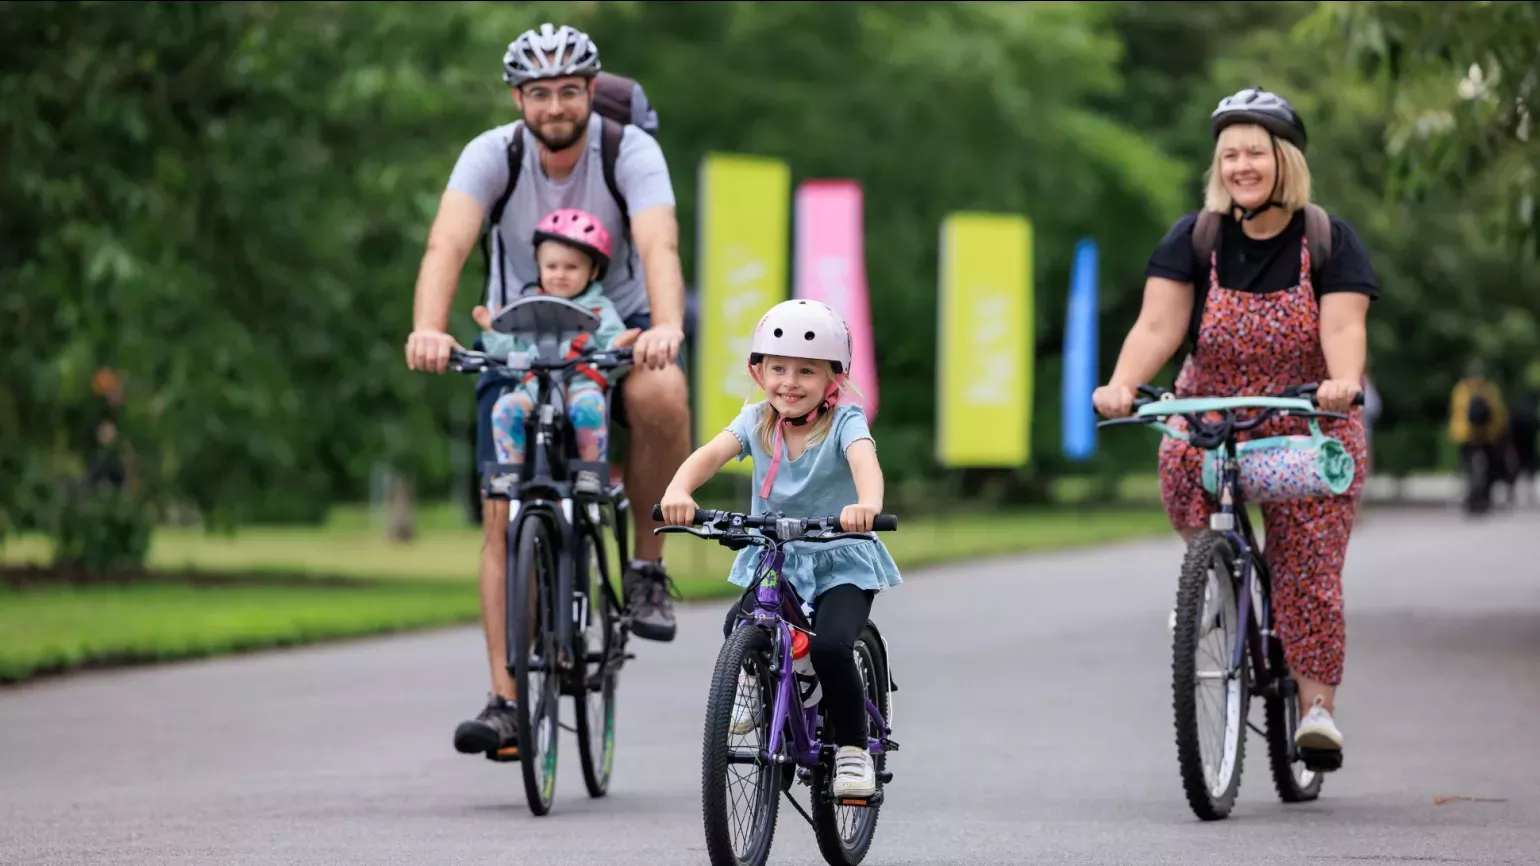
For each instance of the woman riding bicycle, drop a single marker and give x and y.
(812, 457)
(1264, 317)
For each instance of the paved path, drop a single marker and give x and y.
(1033, 712)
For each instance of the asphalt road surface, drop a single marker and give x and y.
(1033, 713)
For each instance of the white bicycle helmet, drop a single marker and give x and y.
(803, 329)
(550, 52)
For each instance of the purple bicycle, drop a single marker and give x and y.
(756, 668)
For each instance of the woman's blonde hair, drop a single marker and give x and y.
(821, 425)
(1293, 171)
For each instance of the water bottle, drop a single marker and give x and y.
(808, 687)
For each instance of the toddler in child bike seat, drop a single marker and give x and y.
(572, 250)
(812, 457)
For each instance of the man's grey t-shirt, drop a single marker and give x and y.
(641, 173)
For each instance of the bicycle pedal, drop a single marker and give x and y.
(1321, 760)
(860, 802)
(505, 755)
(885, 776)
(890, 745)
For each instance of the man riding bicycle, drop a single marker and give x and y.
(551, 71)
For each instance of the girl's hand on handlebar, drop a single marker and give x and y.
(858, 517)
(1113, 401)
(677, 508)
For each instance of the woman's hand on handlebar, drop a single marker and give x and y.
(1113, 401)
(678, 508)
(1337, 395)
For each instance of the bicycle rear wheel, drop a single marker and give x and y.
(594, 699)
(532, 644)
(1210, 694)
(845, 833)
(724, 756)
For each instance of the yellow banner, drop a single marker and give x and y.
(745, 208)
(984, 368)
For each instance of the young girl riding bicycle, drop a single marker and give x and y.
(572, 250)
(812, 457)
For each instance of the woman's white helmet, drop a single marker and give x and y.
(803, 329)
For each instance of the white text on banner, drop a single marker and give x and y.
(984, 358)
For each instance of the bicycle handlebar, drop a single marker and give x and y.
(772, 526)
(1154, 394)
(470, 361)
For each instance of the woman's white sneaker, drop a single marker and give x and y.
(1317, 730)
(854, 774)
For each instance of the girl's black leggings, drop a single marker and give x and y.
(838, 617)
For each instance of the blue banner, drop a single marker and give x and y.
(1080, 373)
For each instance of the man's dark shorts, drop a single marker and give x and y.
(488, 391)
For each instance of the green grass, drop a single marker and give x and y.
(64, 627)
(429, 581)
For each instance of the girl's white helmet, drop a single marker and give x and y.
(803, 329)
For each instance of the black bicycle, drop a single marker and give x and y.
(567, 628)
(1223, 578)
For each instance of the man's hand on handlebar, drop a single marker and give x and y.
(429, 350)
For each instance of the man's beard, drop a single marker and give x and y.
(579, 129)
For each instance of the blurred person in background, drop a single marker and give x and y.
(1478, 426)
(1523, 433)
(1261, 312)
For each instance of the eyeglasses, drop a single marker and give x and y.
(569, 94)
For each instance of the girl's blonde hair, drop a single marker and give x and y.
(820, 426)
(1293, 171)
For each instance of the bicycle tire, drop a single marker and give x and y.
(745, 643)
(532, 561)
(596, 757)
(1206, 548)
(835, 850)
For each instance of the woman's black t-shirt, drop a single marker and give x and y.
(1247, 264)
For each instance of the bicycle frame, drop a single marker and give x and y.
(771, 594)
(537, 493)
(1233, 519)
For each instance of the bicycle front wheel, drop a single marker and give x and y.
(1211, 689)
(732, 776)
(532, 646)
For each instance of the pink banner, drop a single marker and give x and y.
(831, 267)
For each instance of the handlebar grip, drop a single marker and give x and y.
(885, 523)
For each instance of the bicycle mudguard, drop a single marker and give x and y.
(887, 658)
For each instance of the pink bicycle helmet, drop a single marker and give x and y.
(577, 228)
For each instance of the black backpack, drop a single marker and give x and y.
(1478, 411)
(1205, 235)
(618, 101)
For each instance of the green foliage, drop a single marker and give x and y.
(228, 202)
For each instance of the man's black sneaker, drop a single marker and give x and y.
(649, 597)
(496, 727)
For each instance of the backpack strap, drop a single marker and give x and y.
(1205, 236)
(515, 152)
(1318, 234)
(609, 154)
